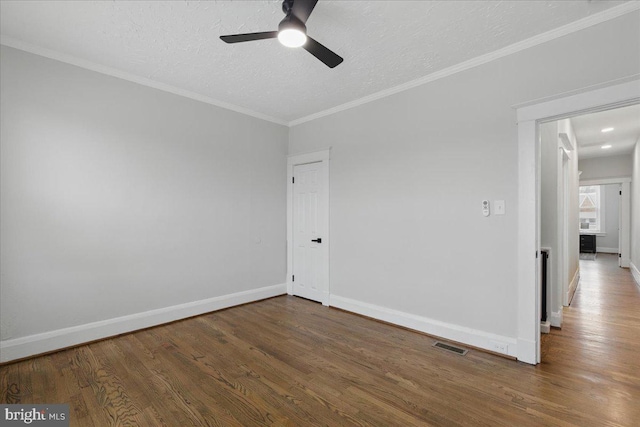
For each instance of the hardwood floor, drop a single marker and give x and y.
(291, 362)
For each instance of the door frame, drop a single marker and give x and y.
(293, 160)
(624, 205)
(528, 118)
(566, 153)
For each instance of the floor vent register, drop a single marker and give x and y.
(451, 348)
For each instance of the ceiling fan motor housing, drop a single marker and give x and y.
(290, 22)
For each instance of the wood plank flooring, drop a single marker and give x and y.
(291, 362)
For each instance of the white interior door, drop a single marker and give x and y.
(310, 210)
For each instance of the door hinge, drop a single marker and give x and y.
(619, 255)
(621, 192)
(293, 179)
(536, 254)
(293, 278)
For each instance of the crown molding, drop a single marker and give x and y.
(89, 65)
(573, 27)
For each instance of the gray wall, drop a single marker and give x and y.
(606, 167)
(117, 198)
(408, 173)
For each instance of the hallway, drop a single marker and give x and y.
(600, 339)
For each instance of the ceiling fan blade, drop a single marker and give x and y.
(238, 38)
(303, 8)
(329, 58)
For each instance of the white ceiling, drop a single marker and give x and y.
(626, 131)
(176, 44)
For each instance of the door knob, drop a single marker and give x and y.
(318, 240)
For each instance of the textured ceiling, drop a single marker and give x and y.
(384, 43)
(626, 131)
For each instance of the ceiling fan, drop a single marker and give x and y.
(292, 32)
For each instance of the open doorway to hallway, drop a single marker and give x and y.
(530, 116)
(585, 206)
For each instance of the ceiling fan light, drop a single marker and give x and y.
(292, 37)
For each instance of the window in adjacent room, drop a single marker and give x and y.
(591, 213)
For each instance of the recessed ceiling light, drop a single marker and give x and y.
(605, 130)
(604, 147)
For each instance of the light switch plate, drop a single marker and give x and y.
(498, 207)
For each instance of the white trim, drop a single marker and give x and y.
(528, 347)
(581, 24)
(31, 345)
(601, 85)
(109, 71)
(461, 334)
(605, 181)
(593, 101)
(624, 233)
(528, 313)
(556, 318)
(300, 159)
(314, 156)
(528, 308)
(567, 146)
(606, 250)
(545, 327)
(572, 288)
(573, 27)
(635, 273)
(565, 168)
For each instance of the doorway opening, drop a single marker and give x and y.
(530, 117)
(595, 211)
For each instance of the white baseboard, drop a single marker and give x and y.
(572, 288)
(607, 250)
(556, 318)
(528, 351)
(461, 334)
(545, 327)
(635, 272)
(31, 345)
(625, 262)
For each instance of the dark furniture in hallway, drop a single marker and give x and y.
(588, 243)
